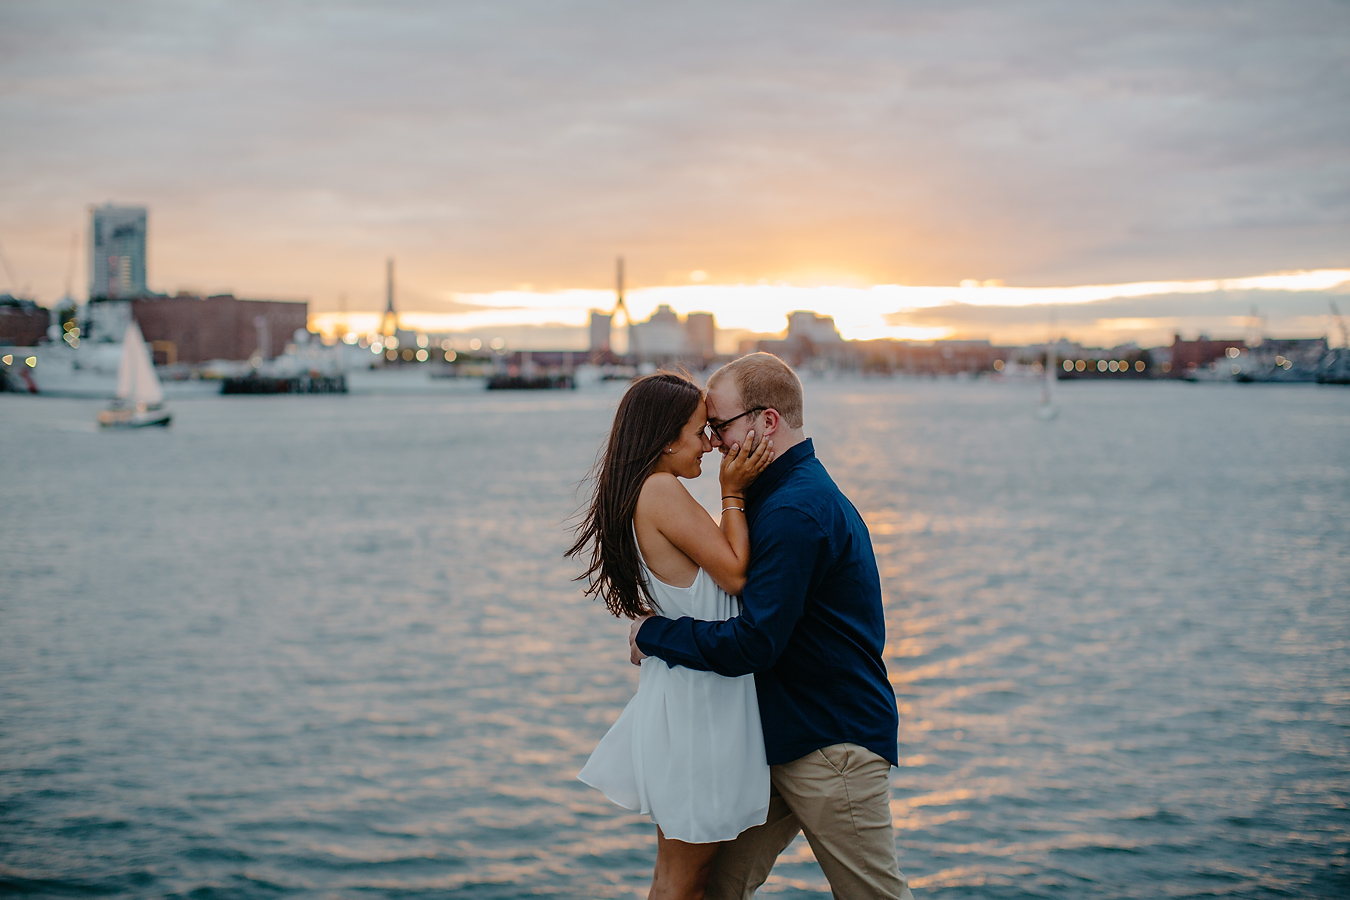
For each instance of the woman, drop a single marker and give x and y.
(688, 749)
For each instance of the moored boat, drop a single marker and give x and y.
(531, 382)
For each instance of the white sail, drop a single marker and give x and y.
(1048, 409)
(137, 383)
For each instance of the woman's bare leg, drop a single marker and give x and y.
(681, 869)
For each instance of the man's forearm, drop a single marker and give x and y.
(688, 642)
(771, 605)
(654, 639)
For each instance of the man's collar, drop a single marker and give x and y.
(775, 471)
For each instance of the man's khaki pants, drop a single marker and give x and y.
(840, 796)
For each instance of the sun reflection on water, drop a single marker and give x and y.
(324, 661)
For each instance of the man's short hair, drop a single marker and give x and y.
(766, 381)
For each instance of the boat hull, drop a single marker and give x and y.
(132, 418)
(531, 383)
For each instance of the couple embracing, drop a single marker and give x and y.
(763, 708)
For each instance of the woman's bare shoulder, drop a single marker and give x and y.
(661, 488)
(663, 494)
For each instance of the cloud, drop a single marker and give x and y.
(1148, 321)
(288, 148)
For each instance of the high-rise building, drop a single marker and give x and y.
(665, 337)
(601, 325)
(700, 331)
(660, 336)
(117, 252)
(812, 328)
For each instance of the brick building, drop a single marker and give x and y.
(1188, 356)
(192, 329)
(22, 322)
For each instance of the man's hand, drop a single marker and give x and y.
(635, 656)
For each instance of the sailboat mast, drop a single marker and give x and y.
(1047, 409)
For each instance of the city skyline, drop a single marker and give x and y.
(1285, 304)
(1149, 314)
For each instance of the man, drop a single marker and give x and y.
(811, 630)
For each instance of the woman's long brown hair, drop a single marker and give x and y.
(651, 415)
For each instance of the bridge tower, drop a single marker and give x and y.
(389, 322)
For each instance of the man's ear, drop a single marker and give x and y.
(772, 420)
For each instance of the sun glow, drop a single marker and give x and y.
(859, 313)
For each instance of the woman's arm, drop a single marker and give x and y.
(724, 554)
(739, 469)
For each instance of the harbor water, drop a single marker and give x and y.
(329, 646)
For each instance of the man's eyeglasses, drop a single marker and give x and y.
(715, 430)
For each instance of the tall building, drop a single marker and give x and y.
(813, 328)
(117, 252)
(601, 325)
(665, 337)
(661, 336)
(810, 338)
(700, 332)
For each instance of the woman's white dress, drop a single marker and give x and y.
(687, 749)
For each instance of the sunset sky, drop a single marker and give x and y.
(862, 159)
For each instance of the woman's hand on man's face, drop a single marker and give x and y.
(742, 464)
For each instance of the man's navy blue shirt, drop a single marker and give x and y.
(811, 627)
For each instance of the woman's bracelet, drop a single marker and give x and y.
(737, 508)
(732, 497)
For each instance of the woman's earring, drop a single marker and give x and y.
(668, 450)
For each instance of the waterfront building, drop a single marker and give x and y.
(188, 328)
(667, 338)
(117, 252)
(1282, 359)
(700, 330)
(811, 339)
(1187, 357)
(601, 327)
(1124, 361)
(662, 335)
(804, 326)
(22, 322)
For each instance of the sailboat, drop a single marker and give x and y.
(140, 399)
(1048, 410)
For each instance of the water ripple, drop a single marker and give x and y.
(329, 646)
